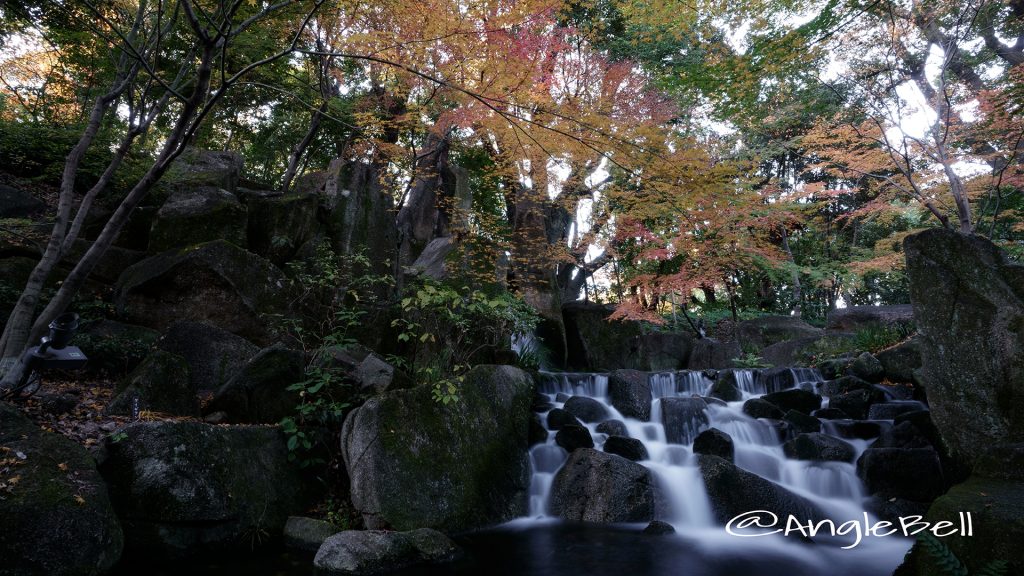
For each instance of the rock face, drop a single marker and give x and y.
(596, 487)
(213, 355)
(215, 282)
(968, 303)
(366, 552)
(182, 488)
(279, 227)
(630, 393)
(734, 491)
(195, 168)
(161, 384)
(854, 318)
(196, 215)
(768, 330)
(683, 418)
(414, 463)
(258, 394)
(709, 353)
(593, 343)
(44, 529)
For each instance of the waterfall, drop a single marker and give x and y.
(832, 486)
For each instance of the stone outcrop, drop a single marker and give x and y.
(968, 303)
(56, 518)
(415, 463)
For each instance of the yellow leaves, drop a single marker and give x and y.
(79, 500)
(63, 467)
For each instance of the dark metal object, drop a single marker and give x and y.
(53, 353)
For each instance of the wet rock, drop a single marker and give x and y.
(890, 410)
(799, 400)
(683, 418)
(538, 433)
(596, 487)
(586, 409)
(160, 384)
(734, 491)
(44, 529)
(830, 414)
(714, 442)
(657, 528)
(802, 423)
(630, 393)
(362, 552)
(307, 534)
(911, 473)
(725, 387)
(541, 403)
(816, 446)
(856, 403)
(868, 368)
(613, 428)
(784, 378)
(258, 393)
(573, 436)
(859, 430)
(833, 368)
(213, 355)
(628, 448)
(415, 463)
(183, 488)
(844, 384)
(562, 397)
(559, 418)
(760, 408)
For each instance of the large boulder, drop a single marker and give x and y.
(867, 367)
(909, 473)
(994, 496)
(817, 446)
(586, 409)
(768, 330)
(159, 384)
(213, 355)
(900, 362)
(258, 393)
(115, 348)
(365, 552)
(196, 215)
(726, 387)
(734, 491)
(307, 534)
(573, 437)
(431, 263)
(796, 399)
(182, 488)
(683, 419)
(628, 448)
(216, 282)
(854, 318)
(789, 352)
(196, 168)
(714, 442)
(416, 463)
(630, 393)
(16, 203)
(280, 226)
(596, 487)
(968, 302)
(595, 343)
(55, 515)
(709, 353)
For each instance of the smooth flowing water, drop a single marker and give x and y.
(832, 486)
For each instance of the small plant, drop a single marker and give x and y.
(750, 360)
(878, 337)
(950, 564)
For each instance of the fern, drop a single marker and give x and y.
(994, 568)
(942, 555)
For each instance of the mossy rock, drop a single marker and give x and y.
(414, 462)
(160, 384)
(184, 488)
(56, 518)
(280, 226)
(215, 282)
(196, 215)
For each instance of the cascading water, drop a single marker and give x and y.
(832, 486)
